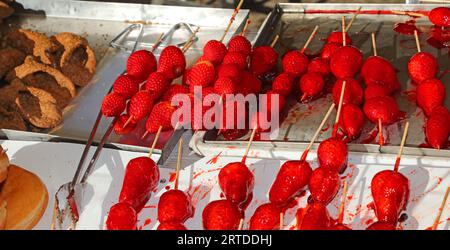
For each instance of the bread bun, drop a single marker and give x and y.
(4, 164)
(26, 197)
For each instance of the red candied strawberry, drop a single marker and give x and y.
(141, 177)
(336, 37)
(225, 85)
(440, 16)
(171, 225)
(437, 128)
(271, 95)
(113, 105)
(352, 120)
(422, 66)
(266, 217)
(221, 215)
(311, 85)
(283, 84)
(250, 84)
(382, 107)
(332, 154)
(172, 62)
(353, 91)
(236, 182)
(214, 51)
(313, 217)
(201, 74)
(263, 60)
(237, 58)
(157, 84)
(140, 105)
(173, 90)
(319, 65)
(140, 64)
(430, 94)
(291, 180)
(126, 86)
(231, 71)
(121, 216)
(379, 71)
(175, 205)
(119, 126)
(346, 62)
(202, 58)
(295, 63)
(329, 49)
(240, 44)
(374, 91)
(324, 184)
(379, 225)
(161, 115)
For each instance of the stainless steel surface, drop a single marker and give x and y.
(295, 22)
(100, 22)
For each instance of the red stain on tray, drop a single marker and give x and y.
(197, 174)
(406, 28)
(150, 206)
(439, 37)
(371, 138)
(167, 187)
(172, 176)
(326, 128)
(214, 159)
(365, 12)
(411, 95)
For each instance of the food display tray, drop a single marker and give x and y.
(429, 177)
(101, 22)
(294, 23)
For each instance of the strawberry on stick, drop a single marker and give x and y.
(236, 11)
(338, 115)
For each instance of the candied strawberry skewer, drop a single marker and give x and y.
(294, 175)
(439, 16)
(175, 206)
(441, 209)
(423, 65)
(390, 190)
(221, 215)
(236, 180)
(141, 177)
(267, 216)
(314, 217)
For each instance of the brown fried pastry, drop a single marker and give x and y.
(42, 76)
(11, 119)
(5, 10)
(9, 59)
(38, 107)
(78, 59)
(34, 43)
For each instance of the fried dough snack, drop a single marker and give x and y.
(38, 107)
(9, 59)
(34, 43)
(49, 79)
(2, 214)
(78, 59)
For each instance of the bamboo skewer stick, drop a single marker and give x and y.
(275, 40)
(281, 221)
(313, 34)
(416, 36)
(374, 45)
(402, 144)
(342, 206)
(316, 134)
(250, 141)
(441, 208)
(338, 115)
(155, 140)
(344, 40)
(408, 13)
(236, 11)
(353, 19)
(180, 154)
(244, 30)
(241, 224)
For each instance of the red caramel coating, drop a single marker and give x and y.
(315, 217)
(351, 121)
(175, 205)
(319, 65)
(295, 63)
(430, 94)
(236, 182)
(121, 217)
(381, 226)
(141, 177)
(171, 225)
(440, 16)
(382, 107)
(291, 180)
(437, 128)
(378, 71)
(375, 91)
(266, 217)
(324, 184)
(346, 62)
(311, 84)
(221, 215)
(390, 192)
(332, 154)
(329, 49)
(336, 37)
(422, 66)
(353, 91)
